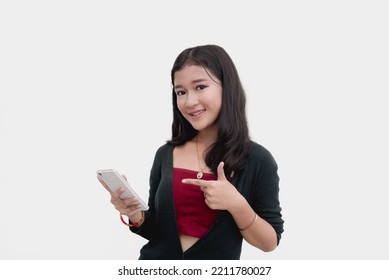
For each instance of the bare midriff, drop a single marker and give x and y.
(187, 241)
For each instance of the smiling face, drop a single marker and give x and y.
(199, 97)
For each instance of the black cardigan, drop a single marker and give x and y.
(257, 182)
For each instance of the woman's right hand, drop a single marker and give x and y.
(129, 207)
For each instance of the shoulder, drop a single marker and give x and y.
(163, 151)
(261, 170)
(162, 159)
(260, 156)
(259, 152)
(165, 148)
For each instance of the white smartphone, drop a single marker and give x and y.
(115, 181)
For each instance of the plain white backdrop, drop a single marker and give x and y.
(85, 85)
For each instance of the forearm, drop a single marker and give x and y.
(255, 230)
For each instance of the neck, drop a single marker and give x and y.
(206, 137)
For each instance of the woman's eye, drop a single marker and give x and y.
(180, 93)
(201, 87)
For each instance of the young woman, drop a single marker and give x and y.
(210, 185)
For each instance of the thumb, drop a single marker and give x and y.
(220, 171)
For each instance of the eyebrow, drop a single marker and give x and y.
(193, 82)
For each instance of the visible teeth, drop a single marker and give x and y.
(196, 113)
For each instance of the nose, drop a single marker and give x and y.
(191, 99)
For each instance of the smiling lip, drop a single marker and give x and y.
(197, 113)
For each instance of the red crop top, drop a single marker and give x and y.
(194, 217)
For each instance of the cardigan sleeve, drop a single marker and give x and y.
(147, 228)
(266, 201)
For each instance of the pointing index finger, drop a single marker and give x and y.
(196, 182)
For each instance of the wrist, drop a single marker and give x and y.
(134, 219)
(132, 224)
(140, 221)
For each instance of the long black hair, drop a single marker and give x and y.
(232, 140)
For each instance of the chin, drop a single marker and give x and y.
(198, 126)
